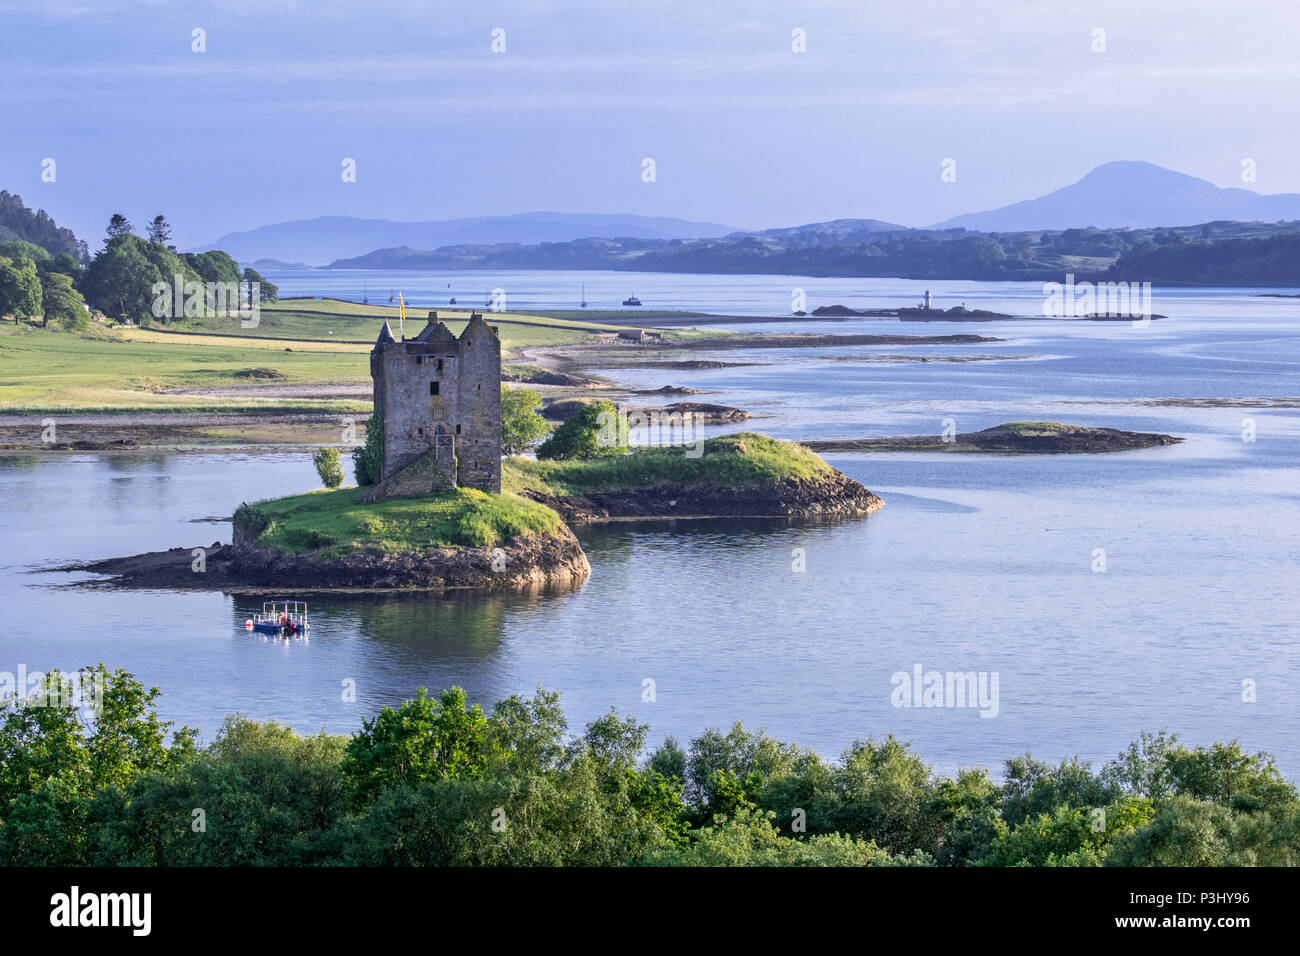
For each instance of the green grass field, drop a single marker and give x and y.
(334, 522)
(325, 319)
(739, 460)
(56, 371)
(298, 342)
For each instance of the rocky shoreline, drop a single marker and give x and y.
(532, 563)
(528, 564)
(834, 496)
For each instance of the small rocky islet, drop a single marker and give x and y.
(1009, 438)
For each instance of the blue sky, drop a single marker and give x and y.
(743, 130)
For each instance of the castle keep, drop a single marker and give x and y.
(440, 399)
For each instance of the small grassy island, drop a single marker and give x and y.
(337, 522)
(460, 538)
(738, 475)
(517, 540)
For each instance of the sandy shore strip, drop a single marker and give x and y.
(150, 432)
(126, 432)
(589, 355)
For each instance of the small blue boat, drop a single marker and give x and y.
(280, 618)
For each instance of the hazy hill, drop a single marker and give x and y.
(325, 239)
(1197, 254)
(19, 222)
(1134, 195)
(836, 231)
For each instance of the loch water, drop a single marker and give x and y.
(985, 564)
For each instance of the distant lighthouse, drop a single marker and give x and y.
(927, 300)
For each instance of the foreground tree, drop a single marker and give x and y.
(55, 758)
(424, 739)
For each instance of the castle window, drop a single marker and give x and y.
(433, 388)
(439, 365)
(419, 360)
(420, 432)
(457, 429)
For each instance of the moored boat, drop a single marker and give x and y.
(280, 618)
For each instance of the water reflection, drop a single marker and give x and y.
(976, 563)
(462, 627)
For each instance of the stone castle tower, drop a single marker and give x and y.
(440, 398)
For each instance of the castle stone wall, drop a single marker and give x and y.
(436, 382)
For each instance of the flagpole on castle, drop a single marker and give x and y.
(401, 318)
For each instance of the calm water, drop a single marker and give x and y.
(975, 563)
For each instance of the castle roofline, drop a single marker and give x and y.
(476, 321)
(385, 335)
(437, 336)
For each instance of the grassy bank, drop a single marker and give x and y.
(336, 522)
(298, 342)
(61, 372)
(740, 460)
(325, 319)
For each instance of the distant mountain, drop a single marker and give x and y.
(598, 252)
(1135, 195)
(322, 240)
(1210, 253)
(574, 254)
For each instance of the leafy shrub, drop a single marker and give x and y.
(368, 459)
(521, 426)
(598, 429)
(252, 520)
(327, 465)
